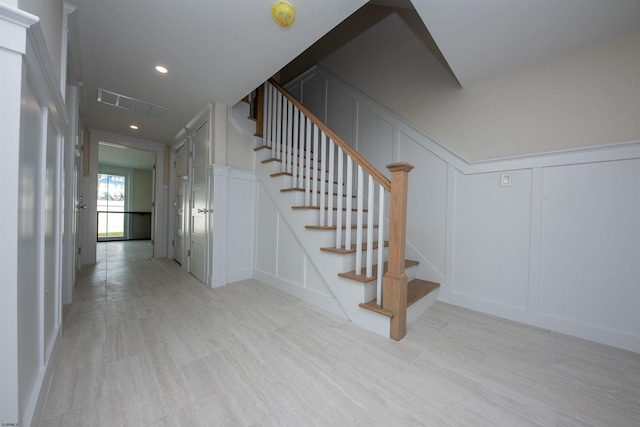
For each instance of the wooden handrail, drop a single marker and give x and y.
(394, 292)
(368, 167)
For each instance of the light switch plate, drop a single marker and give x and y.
(506, 179)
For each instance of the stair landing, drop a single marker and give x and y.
(416, 290)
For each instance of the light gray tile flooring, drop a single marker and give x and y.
(146, 345)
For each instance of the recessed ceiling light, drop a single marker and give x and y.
(134, 127)
(161, 69)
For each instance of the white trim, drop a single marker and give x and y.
(161, 221)
(531, 288)
(18, 18)
(217, 234)
(40, 69)
(323, 301)
(599, 153)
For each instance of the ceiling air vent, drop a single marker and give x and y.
(128, 103)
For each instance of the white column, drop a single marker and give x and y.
(13, 26)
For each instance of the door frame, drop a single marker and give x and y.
(90, 187)
(205, 116)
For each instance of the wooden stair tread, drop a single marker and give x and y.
(351, 275)
(419, 289)
(326, 207)
(333, 227)
(371, 305)
(416, 290)
(286, 190)
(274, 159)
(277, 174)
(352, 249)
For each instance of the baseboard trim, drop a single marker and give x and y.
(34, 409)
(324, 302)
(610, 337)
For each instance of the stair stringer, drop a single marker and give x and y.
(239, 118)
(347, 293)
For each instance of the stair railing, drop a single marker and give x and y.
(335, 178)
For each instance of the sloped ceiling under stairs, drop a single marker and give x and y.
(218, 51)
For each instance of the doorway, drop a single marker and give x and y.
(125, 193)
(111, 207)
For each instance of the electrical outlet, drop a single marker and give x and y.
(506, 180)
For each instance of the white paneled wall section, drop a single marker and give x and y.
(556, 248)
(281, 260)
(230, 204)
(32, 118)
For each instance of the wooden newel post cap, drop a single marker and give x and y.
(400, 167)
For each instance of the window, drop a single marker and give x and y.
(112, 191)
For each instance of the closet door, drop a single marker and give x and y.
(181, 183)
(198, 224)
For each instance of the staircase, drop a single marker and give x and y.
(348, 217)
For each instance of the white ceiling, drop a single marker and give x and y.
(216, 51)
(484, 39)
(220, 50)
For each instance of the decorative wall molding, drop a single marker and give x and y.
(555, 249)
(600, 153)
(33, 120)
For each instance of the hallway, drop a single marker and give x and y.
(145, 344)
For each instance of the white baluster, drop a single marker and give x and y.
(286, 136)
(380, 244)
(323, 181)
(301, 151)
(273, 118)
(307, 180)
(370, 204)
(330, 154)
(289, 136)
(316, 155)
(278, 145)
(347, 222)
(294, 153)
(339, 198)
(359, 219)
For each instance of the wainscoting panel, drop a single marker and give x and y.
(555, 247)
(281, 261)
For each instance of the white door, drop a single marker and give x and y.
(199, 199)
(182, 179)
(80, 209)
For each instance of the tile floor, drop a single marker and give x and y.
(146, 345)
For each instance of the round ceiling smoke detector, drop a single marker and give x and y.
(283, 14)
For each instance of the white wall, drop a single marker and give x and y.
(231, 199)
(33, 117)
(50, 14)
(585, 99)
(281, 261)
(239, 149)
(557, 249)
(142, 190)
(233, 225)
(90, 190)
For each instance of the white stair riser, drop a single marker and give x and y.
(371, 290)
(327, 238)
(300, 199)
(313, 217)
(348, 261)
